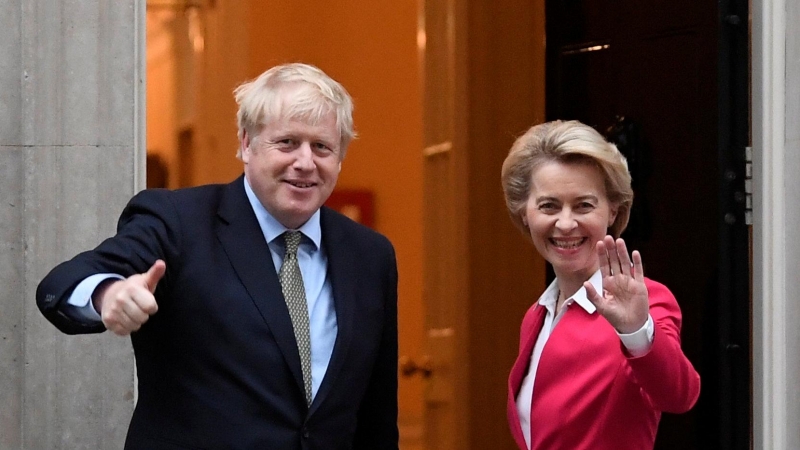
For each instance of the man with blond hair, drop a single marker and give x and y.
(259, 318)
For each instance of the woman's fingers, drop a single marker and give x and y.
(602, 257)
(615, 260)
(591, 293)
(613, 257)
(623, 282)
(638, 267)
(624, 259)
(593, 296)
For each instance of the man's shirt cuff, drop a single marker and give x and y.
(79, 305)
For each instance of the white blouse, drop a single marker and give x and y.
(638, 343)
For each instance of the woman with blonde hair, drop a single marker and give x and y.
(600, 354)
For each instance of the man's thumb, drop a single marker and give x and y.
(154, 274)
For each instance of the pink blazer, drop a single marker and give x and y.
(589, 393)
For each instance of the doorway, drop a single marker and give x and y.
(668, 82)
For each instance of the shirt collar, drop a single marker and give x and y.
(273, 229)
(550, 295)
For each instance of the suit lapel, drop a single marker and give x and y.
(248, 252)
(341, 266)
(530, 334)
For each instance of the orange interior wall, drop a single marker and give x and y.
(370, 47)
(161, 95)
(223, 66)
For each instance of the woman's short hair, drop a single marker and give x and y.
(569, 142)
(293, 91)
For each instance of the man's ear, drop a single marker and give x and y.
(244, 145)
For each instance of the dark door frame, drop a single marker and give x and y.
(735, 305)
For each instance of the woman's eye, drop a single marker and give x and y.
(547, 207)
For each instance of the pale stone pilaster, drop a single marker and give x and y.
(71, 155)
(776, 221)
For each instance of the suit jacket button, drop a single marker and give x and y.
(305, 433)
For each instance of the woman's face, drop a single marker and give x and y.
(567, 213)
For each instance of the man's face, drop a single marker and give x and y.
(293, 166)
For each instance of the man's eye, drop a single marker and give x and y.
(284, 144)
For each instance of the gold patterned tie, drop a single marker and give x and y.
(295, 295)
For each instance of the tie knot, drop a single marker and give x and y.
(292, 239)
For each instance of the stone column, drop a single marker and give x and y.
(71, 155)
(776, 214)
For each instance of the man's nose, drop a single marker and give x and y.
(305, 157)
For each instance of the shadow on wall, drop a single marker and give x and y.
(157, 171)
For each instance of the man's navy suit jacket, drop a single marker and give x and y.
(218, 365)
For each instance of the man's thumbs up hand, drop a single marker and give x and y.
(125, 305)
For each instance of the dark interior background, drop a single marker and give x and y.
(667, 81)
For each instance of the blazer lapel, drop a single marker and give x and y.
(340, 269)
(530, 333)
(248, 252)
